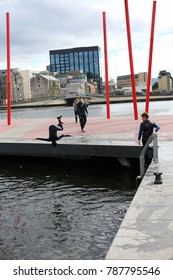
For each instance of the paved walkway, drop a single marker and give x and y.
(147, 229)
(146, 232)
(120, 128)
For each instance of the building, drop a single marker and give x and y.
(75, 82)
(165, 81)
(27, 75)
(86, 59)
(112, 87)
(17, 91)
(140, 81)
(28, 85)
(44, 86)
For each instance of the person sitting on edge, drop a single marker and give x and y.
(146, 129)
(53, 137)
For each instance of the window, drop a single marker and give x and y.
(57, 58)
(81, 61)
(58, 69)
(76, 60)
(61, 57)
(52, 61)
(71, 61)
(86, 68)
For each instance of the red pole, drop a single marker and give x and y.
(8, 69)
(106, 67)
(131, 60)
(150, 57)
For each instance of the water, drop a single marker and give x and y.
(125, 109)
(52, 209)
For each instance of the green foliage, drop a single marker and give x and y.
(155, 86)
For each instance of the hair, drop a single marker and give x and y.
(145, 115)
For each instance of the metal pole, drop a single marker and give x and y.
(106, 67)
(150, 57)
(155, 148)
(131, 60)
(8, 69)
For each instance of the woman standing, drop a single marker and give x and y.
(75, 109)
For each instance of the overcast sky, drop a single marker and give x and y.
(42, 25)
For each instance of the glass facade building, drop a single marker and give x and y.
(86, 59)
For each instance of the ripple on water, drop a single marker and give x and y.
(54, 217)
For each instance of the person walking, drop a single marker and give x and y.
(53, 129)
(82, 113)
(75, 109)
(146, 129)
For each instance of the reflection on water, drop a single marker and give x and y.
(61, 210)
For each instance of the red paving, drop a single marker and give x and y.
(116, 128)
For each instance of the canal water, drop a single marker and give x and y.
(51, 209)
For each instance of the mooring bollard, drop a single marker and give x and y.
(158, 178)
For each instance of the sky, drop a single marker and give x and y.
(39, 26)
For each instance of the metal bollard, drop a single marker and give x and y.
(158, 178)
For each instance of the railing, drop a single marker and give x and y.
(153, 138)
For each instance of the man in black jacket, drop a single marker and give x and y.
(53, 129)
(82, 111)
(146, 129)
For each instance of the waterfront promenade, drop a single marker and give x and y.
(115, 137)
(117, 129)
(146, 233)
(147, 230)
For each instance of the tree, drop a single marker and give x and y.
(155, 86)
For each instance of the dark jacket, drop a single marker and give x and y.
(81, 109)
(146, 129)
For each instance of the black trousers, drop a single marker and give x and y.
(83, 120)
(148, 153)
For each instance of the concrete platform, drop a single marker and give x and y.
(119, 129)
(147, 229)
(109, 138)
(115, 137)
(146, 232)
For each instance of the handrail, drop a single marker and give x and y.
(153, 138)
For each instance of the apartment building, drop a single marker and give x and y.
(17, 91)
(165, 81)
(28, 85)
(27, 75)
(44, 86)
(140, 81)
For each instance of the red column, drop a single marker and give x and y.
(8, 69)
(106, 67)
(131, 60)
(150, 58)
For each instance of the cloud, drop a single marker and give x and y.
(40, 26)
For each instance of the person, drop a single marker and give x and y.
(82, 111)
(75, 109)
(146, 129)
(53, 137)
